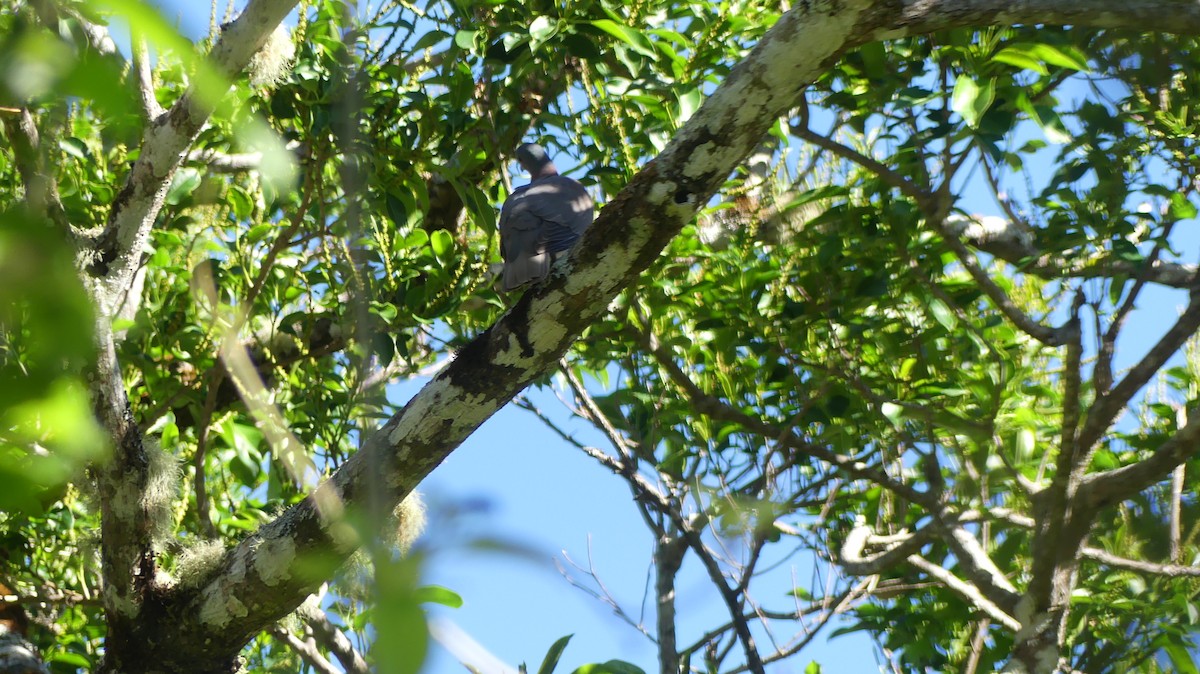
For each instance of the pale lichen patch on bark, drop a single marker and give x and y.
(469, 418)
(546, 335)
(509, 353)
(118, 604)
(218, 610)
(274, 559)
(616, 257)
(705, 158)
(662, 192)
(420, 407)
(125, 500)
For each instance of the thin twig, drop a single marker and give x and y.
(1109, 404)
(968, 592)
(1102, 378)
(1167, 570)
(307, 651)
(145, 79)
(332, 638)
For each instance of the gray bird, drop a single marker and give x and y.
(541, 220)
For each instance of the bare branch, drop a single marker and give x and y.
(644, 490)
(126, 554)
(931, 205)
(830, 607)
(1010, 241)
(853, 561)
(145, 79)
(222, 162)
(986, 578)
(1108, 343)
(601, 420)
(1112, 486)
(306, 650)
(968, 592)
(41, 191)
(1174, 529)
(98, 36)
(199, 485)
(332, 638)
(1168, 570)
(1109, 404)
(883, 171)
(977, 645)
(668, 558)
(1149, 15)
(164, 146)
(977, 565)
(1044, 334)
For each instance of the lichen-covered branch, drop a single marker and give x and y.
(164, 145)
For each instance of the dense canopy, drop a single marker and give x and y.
(906, 287)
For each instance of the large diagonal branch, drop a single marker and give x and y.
(271, 572)
(164, 145)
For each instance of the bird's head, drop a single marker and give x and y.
(533, 158)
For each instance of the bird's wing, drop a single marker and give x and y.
(522, 241)
(561, 200)
(540, 219)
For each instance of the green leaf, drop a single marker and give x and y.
(689, 103)
(240, 202)
(1181, 659)
(1126, 250)
(893, 412)
(436, 594)
(1026, 443)
(634, 38)
(465, 39)
(76, 148)
(971, 99)
(442, 243)
(551, 660)
(943, 314)
(1181, 208)
(429, 39)
(812, 668)
(184, 183)
(542, 29)
(258, 232)
(1020, 57)
(1056, 57)
(610, 667)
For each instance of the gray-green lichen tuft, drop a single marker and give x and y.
(273, 62)
(162, 488)
(197, 562)
(408, 522)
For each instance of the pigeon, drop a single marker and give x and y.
(540, 221)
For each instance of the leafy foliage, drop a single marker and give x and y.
(836, 343)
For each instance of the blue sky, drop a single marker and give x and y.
(551, 498)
